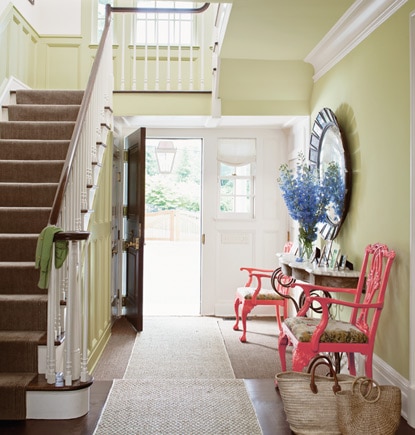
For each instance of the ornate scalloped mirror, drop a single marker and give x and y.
(327, 145)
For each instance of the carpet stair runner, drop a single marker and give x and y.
(33, 145)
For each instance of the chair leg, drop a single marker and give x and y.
(351, 363)
(368, 366)
(278, 315)
(236, 307)
(246, 309)
(282, 347)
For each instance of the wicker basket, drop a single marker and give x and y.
(369, 408)
(310, 400)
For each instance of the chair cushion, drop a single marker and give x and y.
(336, 331)
(264, 294)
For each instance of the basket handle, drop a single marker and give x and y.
(367, 384)
(318, 361)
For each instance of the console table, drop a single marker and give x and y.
(313, 274)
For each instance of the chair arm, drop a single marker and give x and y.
(323, 301)
(254, 272)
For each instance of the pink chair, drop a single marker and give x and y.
(310, 336)
(255, 293)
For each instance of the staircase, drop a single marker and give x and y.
(34, 140)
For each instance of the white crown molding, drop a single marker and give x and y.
(359, 21)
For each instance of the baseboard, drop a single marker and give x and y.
(98, 348)
(386, 375)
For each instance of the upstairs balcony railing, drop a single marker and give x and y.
(163, 49)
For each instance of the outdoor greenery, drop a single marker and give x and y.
(179, 190)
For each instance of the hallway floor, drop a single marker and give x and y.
(265, 399)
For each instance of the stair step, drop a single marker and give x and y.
(38, 112)
(30, 171)
(18, 247)
(23, 312)
(27, 194)
(19, 277)
(36, 130)
(46, 401)
(19, 351)
(13, 149)
(13, 395)
(46, 96)
(23, 219)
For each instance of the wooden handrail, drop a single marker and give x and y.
(162, 10)
(71, 236)
(60, 192)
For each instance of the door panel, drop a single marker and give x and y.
(134, 227)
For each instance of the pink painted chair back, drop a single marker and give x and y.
(310, 336)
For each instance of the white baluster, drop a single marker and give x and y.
(146, 55)
(122, 84)
(51, 333)
(134, 38)
(168, 75)
(85, 314)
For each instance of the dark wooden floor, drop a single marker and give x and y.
(265, 398)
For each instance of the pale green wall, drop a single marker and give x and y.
(18, 45)
(369, 92)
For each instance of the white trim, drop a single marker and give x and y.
(386, 375)
(57, 405)
(359, 21)
(411, 387)
(8, 85)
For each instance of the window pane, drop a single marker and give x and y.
(242, 205)
(172, 28)
(226, 170)
(226, 187)
(226, 204)
(243, 170)
(242, 187)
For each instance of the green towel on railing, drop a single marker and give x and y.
(44, 252)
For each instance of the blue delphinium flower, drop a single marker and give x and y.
(308, 196)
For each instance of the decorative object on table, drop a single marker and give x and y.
(369, 408)
(310, 400)
(328, 144)
(334, 255)
(308, 197)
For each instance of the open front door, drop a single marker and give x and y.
(134, 227)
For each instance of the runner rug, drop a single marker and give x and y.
(179, 380)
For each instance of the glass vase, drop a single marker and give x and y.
(305, 250)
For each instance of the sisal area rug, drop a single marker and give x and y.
(178, 407)
(179, 348)
(179, 381)
(258, 357)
